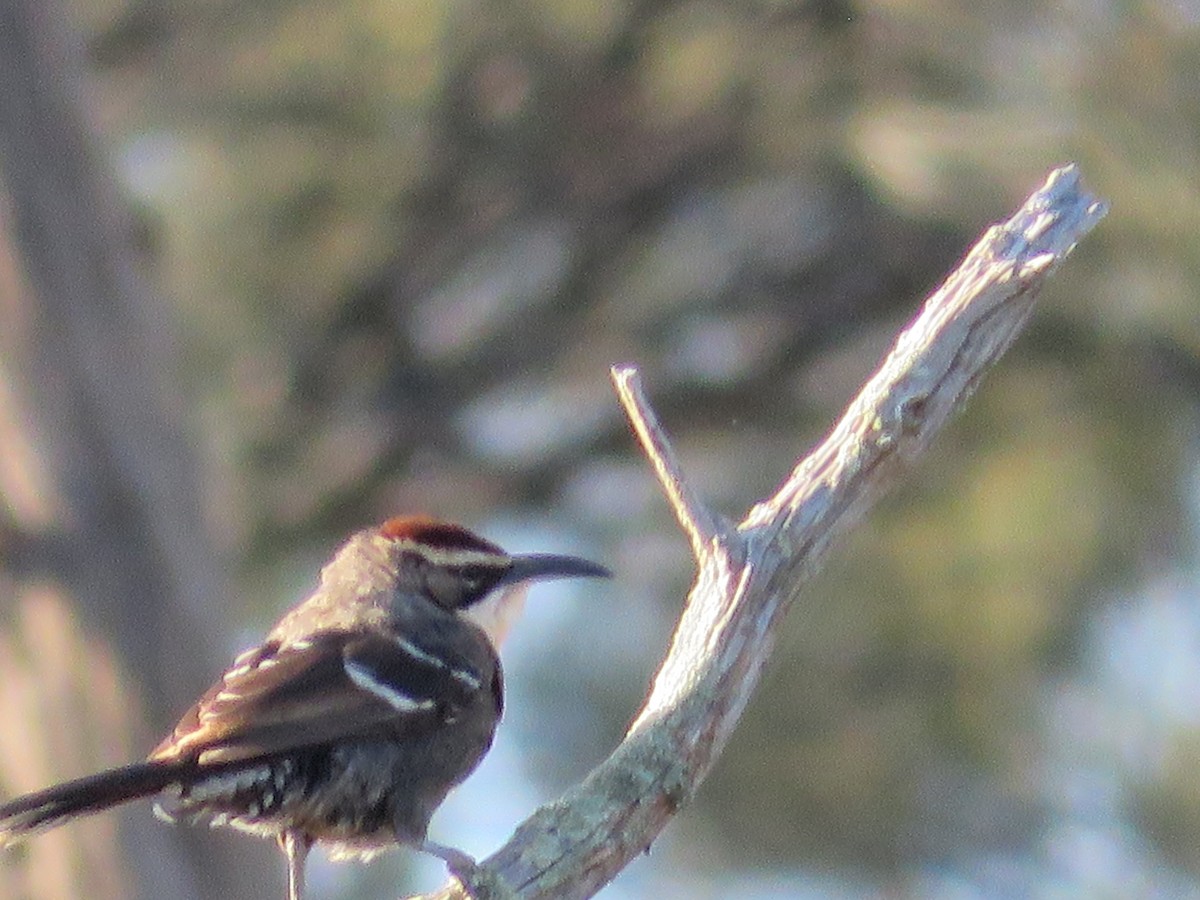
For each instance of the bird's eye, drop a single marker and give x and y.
(474, 581)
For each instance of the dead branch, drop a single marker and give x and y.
(749, 575)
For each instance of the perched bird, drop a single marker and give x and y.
(351, 722)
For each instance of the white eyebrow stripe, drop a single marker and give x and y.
(449, 556)
(364, 678)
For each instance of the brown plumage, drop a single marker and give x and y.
(365, 705)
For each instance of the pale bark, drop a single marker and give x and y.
(749, 574)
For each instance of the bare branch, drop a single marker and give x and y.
(700, 525)
(574, 846)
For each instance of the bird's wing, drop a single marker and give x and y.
(334, 685)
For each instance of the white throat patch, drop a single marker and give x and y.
(497, 612)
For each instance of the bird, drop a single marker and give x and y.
(365, 705)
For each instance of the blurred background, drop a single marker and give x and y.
(271, 270)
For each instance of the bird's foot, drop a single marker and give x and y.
(481, 882)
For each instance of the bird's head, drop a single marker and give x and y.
(463, 573)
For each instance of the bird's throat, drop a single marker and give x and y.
(497, 612)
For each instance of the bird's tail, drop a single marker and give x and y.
(47, 809)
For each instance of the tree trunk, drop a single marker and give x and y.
(111, 592)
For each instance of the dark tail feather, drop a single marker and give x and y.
(46, 809)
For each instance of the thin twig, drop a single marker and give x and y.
(700, 525)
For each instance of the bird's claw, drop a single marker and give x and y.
(481, 882)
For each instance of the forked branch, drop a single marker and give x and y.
(748, 575)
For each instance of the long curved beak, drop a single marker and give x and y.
(528, 567)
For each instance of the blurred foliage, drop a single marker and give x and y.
(405, 240)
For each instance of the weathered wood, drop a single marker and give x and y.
(750, 574)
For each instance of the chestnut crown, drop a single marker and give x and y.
(458, 568)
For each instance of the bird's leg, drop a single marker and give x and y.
(295, 846)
